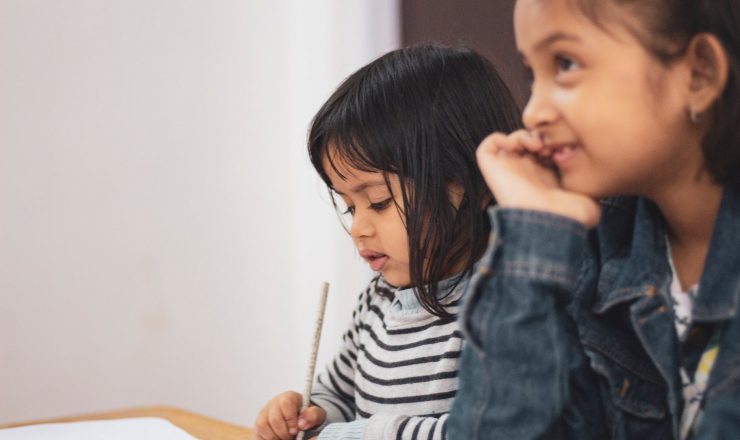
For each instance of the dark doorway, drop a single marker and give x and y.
(484, 25)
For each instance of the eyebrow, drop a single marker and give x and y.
(555, 37)
(362, 187)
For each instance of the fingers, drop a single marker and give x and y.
(530, 141)
(289, 405)
(283, 415)
(498, 144)
(262, 429)
(519, 142)
(278, 420)
(311, 417)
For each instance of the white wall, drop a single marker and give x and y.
(162, 235)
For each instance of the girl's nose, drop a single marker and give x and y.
(539, 111)
(361, 226)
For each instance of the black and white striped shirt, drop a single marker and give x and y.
(396, 374)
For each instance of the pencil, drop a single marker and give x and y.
(314, 351)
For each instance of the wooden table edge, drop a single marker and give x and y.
(197, 425)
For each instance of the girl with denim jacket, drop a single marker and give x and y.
(396, 145)
(606, 305)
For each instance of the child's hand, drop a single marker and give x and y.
(279, 419)
(519, 172)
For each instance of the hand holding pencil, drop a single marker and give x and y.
(279, 418)
(314, 351)
(289, 412)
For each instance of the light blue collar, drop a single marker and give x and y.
(406, 302)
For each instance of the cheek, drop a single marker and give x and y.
(399, 237)
(401, 243)
(610, 119)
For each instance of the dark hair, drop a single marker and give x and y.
(420, 113)
(665, 29)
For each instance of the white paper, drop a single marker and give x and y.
(144, 428)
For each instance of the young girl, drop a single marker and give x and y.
(396, 145)
(629, 330)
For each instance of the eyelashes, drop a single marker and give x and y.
(379, 206)
(561, 64)
(565, 63)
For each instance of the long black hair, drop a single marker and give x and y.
(420, 113)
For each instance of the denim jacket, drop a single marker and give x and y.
(571, 335)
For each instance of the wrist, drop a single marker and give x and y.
(576, 207)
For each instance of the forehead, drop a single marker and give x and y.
(536, 20)
(347, 179)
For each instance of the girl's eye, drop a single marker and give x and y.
(381, 205)
(374, 206)
(565, 64)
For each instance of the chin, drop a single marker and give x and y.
(397, 280)
(585, 186)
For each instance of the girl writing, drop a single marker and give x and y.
(396, 144)
(616, 319)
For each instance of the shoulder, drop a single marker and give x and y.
(453, 291)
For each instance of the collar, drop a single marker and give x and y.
(634, 259)
(719, 287)
(632, 253)
(404, 299)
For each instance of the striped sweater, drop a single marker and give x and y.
(396, 373)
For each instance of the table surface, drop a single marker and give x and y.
(197, 425)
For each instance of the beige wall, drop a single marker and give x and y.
(162, 236)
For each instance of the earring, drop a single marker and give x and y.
(694, 116)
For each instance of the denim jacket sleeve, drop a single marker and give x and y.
(523, 373)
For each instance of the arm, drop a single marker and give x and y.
(389, 426)
(334, 389)
(523, 372)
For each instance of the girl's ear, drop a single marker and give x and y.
(709, 69)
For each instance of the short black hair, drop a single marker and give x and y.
(420, 112)
(665, 28)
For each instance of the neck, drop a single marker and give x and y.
(690, 208)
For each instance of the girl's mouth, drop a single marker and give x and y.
(563, 153)
(376, 260)
(378, 263)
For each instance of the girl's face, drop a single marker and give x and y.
(377, 225)
(614, 116)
